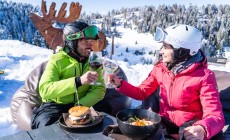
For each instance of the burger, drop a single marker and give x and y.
(80, 115)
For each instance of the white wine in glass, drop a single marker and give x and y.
(109, 67)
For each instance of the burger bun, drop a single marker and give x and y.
(80, 115)
(79, 111)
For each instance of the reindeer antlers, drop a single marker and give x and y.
(53, 36)
(75, 10)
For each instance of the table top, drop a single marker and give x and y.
(55, 132)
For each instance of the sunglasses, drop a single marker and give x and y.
(90, 32)
(159, 35)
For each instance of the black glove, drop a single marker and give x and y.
(78, 82)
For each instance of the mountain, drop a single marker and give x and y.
(211, 19)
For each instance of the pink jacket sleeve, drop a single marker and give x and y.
(145, 89)
(213, 118)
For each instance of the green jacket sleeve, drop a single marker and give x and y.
(51, 86)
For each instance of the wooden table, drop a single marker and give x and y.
(54, 132)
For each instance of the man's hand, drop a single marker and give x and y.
(89, 77)
(115, 80)
(193, 133)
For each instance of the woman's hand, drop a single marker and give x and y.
(89, 77)
(193, 133)
(115, 80)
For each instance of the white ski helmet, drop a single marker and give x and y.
(180, 36)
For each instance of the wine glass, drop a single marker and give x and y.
(95, 62)
(109, 67)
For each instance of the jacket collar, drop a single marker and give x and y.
(74, 55)
(189, 65)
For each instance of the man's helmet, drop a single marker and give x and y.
(74, 27)
(184, 39)
(71, 28)
(77, 30)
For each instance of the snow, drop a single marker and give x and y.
(17, 59)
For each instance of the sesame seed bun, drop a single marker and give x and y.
(79, 111)
(80, 115)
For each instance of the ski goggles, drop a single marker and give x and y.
(160, 35)
(90, 32)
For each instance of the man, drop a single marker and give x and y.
(189, 99)
(67, 77)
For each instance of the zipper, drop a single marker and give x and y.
(75, 74)
(170, 96)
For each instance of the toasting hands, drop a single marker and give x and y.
(89, 77)
(115, 80)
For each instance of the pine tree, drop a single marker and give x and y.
(127, 49)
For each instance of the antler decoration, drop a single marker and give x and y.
(75, 10)
(53, 36)
(100, 44)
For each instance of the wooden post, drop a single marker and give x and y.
(112, 48)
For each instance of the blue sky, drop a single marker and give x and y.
(103, 6)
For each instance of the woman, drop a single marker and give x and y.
(188, 89)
